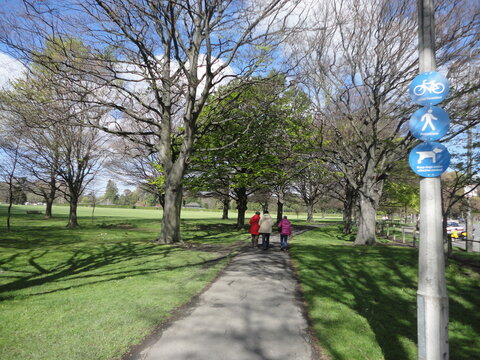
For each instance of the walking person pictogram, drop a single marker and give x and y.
(427, 118)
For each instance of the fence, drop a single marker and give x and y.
(394, 230)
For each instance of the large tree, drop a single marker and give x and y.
(9, 158)
(252, 148)
(111, 192)
(137, 164)
(314, 182)
(358, 71)
(59, 152)
(401, 191)
(170, 56)
(234, 158)
(39, 150)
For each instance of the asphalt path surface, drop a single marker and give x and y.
(252, 311)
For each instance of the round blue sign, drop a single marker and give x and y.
(429, 123)
(429, 159)
(429, 88)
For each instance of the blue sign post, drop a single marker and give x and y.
(429, 159)
(429, 88)
(429, 123)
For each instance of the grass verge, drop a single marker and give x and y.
(362, 300)
(91, 292)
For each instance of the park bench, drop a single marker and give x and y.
(33, 212)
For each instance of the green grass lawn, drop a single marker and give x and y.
(362, 300)
(91, 292)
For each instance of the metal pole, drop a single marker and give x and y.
(432, 299)
(469, 244)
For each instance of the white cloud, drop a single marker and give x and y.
(10, 69)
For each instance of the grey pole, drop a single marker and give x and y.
(432, 299)
(469, 244)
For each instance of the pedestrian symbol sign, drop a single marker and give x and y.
(429, 88)
(429, 159)
(429, 123)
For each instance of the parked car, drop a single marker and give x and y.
(455, 230)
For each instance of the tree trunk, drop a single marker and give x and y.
(10, 204)
(241, 206)
(309, 212)
(72, 217)
(348, 204)
(170, 232)
(48, 209)
(226, 207)
(280, 203)
(366, 221)
(50, 196)
(347, 219)
(161, 200)
(11, 177)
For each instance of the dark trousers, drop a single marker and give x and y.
(255, 240)
(265, 240)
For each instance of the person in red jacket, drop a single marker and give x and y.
(254, 227)
(285, 228)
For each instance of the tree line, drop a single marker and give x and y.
(280, 96)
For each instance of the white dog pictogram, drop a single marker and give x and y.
(422, 155)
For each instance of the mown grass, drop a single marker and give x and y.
(91, 292)
(362, 300)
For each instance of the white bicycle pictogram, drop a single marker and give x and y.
(432, 87)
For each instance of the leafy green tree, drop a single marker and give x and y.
(401, 190)
(111, 192)
(172, 55)
(257, 126)
(128, 197)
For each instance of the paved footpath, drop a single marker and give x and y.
(250, 312)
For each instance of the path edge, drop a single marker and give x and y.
(134, 351)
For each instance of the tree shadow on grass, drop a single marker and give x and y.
(381, 287)
(213, 232)
(463, 313)
(62, 258)
(38, 236)
(67, 269)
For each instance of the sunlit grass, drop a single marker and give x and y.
(90, 293)
(362, 300)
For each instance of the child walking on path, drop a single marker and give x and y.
(285, 229)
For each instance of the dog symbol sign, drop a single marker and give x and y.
(429, 88)
(429, 159)
(429, 123)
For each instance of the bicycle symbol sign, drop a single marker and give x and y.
(429, 88)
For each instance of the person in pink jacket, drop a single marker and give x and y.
(285, 229)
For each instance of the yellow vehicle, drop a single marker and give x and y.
(455, 230)
(458, 235)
